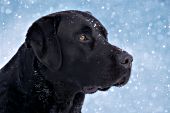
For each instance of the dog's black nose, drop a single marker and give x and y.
(125, 59)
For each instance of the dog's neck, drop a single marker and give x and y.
(58, 95)
(31, 84)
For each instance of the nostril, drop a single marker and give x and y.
(126, 61)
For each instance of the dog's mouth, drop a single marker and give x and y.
(90, 90)
(121, 82)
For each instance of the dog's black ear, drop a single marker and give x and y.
(42, 38)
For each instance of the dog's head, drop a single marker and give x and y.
(74, 45)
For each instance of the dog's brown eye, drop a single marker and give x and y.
(83, 38)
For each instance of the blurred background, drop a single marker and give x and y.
(142, 27)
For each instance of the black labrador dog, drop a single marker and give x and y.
(65, 56)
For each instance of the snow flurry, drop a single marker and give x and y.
(141, 27)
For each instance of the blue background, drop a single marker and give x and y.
(142, 27)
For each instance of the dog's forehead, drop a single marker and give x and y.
(74, 17)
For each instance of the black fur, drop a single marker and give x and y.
(54, 68)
